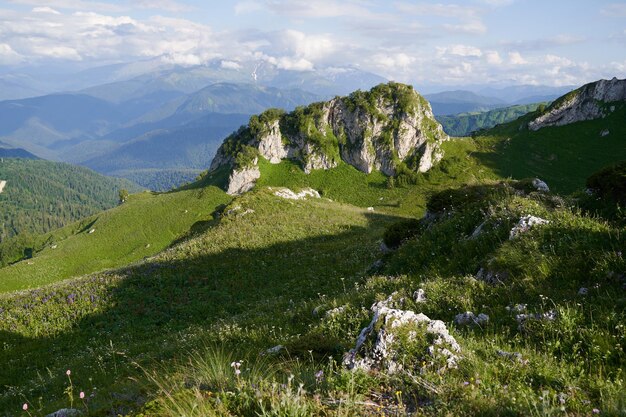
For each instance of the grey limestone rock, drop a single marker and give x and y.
(583, 104)
(243, 180)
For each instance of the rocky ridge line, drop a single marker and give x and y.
(586, 103)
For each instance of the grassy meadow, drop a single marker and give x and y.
(187, 326)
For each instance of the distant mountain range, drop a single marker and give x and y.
(150, 116)
(484, 98)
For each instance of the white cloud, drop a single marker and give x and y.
(74, 5)
(315, 9)
(230, 65)
(244, 7)
(45, 10)
(459, 50)
(295, 64)
(516, 58)
(615, 10)
(165, 5)
(493, 57)
(59, 52)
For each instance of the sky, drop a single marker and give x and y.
(548, 42)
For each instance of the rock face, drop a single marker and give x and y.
(242, 180)
(404, 340)
(383, 129)
(586, 103)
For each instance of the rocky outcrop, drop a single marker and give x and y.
(525, 224)
(242, 180)
(286, 193)
(586, 103)
(399, 335)
(376, 130)
(271, 143)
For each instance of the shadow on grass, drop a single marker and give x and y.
(157, 310)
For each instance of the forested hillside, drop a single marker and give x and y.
(41, 195)
(465, 123)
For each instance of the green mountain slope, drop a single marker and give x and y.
(144, 225)
(255, 309)
(41, 195)
(563, 156)
(465, 123)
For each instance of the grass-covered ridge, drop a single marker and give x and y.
(218, 296)
(564, 156)
(144, 225)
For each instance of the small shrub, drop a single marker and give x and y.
(399, 232)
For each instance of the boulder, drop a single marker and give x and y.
(403, 339)
(525, 224)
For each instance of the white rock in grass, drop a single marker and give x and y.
(419, 296)
(290, 195)
(540, 185)
(274, 350)
(388, 324)
(469, 318)
(525, 224)
(65, 412)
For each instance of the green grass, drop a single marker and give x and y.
(224, 286)
(146, 224)
(562, 156)
(157, 338)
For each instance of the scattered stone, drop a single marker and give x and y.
(491, 277)
(377, 265)
(517, 308)
(604, 133)
(370, 209)
(290, 195)
(248, 211)
(514, 356)
(3, 183)
(91, 231)
(525, 224)
(274, 350)
(53, 247)
(550, 315)
(479, 230)
(388, 324)
(65, 412)
(233, 210)
(147, 246)
(469, 318)
(384, 248)
(583, 291)
(540, 185)
(419, 296)
(612, 108)
(335, 311)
